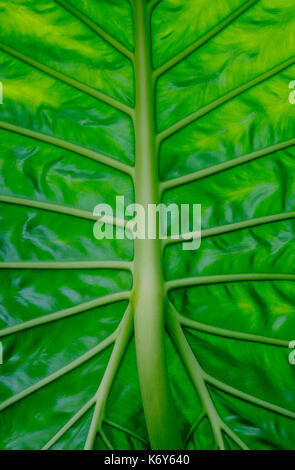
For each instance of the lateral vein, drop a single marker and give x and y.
(194, 427)
(69, 81)
(203, 40)
(219, 279)
(74, 419)
(224, 332)
(200, 174)
(152, 4)
(125, 431)
(57, 142)
(249, 398)
(105, 440)
(69, 424)
(96, 29)
(59, 373)
(228, 228)
(125, 330)
(60, 209)
(197, 376)
(222, 100)
(124, 265)
(65, 313)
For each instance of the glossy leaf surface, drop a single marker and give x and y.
(210, 82)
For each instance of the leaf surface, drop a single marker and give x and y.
(99, 351)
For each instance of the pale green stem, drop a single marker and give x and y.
(148, 299)
(121, 343)
(196, 374)
(125, 323)
(198, 378)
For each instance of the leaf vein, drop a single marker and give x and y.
(125, 330)
(229, 228)
(59, 373)
(193, 117)
(69, 146)
(96, 29)
(224, 278)
(203, 40)
(110, 101)
(220, 167)
(65, 313)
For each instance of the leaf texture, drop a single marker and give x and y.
(115, 344)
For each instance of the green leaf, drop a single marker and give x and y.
(115, 344)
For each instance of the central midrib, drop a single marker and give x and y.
(148, 295)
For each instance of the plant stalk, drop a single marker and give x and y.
(148, 296)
